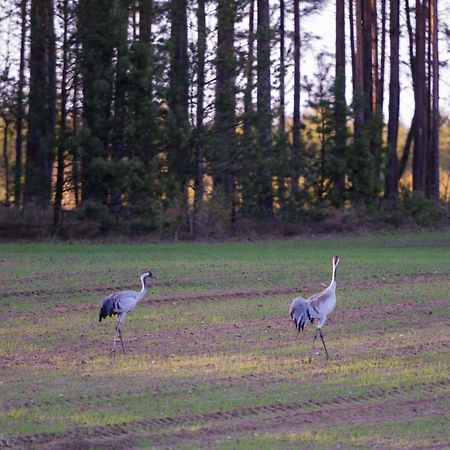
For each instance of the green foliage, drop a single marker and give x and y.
(411, 207)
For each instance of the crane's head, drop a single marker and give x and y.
(335, 260)
(146, 277)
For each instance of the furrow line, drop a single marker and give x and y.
(238, 413)
(230, 381)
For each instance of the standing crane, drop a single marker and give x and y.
(315, 309)
(122, 303)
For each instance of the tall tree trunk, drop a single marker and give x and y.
(42, 98)
(20, 114)
(407, 147)
(282, 123)
(145, 34)
(433, 161)
(199, 157)
(264, 107)
(120, 94)
(340, 107)
(420, 138)
(296, 125)
(75, 155)
(380, 84)
(248, 103)
(391, 179)
(6, 160)
(179, 157)
(225, 103)
(358, 73)
(179, 84)
(61, 144)
(369, 63)
(282, 136)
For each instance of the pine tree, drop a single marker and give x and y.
(41, 101)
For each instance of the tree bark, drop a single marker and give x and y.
(340, 108)
(199, 157)
(178, 97)
(6, 160)
(61, 145)
(248, 102)
(225, 102)
(264, 108)
(420, 137)
(407, 147)
(296, 125)
(391, 179)
(282, 122)
(433, 160)
(20, 115)
(42, 98)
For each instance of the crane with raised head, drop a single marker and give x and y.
(122, 303)
(315, 309)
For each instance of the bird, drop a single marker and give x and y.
(315, 309)
(122, 303)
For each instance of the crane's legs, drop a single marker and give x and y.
(318, 330)
(314, 342)
(118, 332)
(323, 342)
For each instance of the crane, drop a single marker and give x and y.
(315, 309)
(122, 303)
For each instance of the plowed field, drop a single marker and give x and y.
(212, 359)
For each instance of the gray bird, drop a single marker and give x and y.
(122, 303)
(315, 309)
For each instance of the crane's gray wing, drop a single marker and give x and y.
(117, 303)
(109, 307)
(301, 311)
(316, 302)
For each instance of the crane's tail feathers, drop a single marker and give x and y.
(108, 308)
(300, 313)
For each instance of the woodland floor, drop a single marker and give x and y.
(213, 360)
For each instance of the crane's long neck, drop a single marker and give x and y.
(143, 290)
(333, 276)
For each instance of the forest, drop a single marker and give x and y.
(197, 119)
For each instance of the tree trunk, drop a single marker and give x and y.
(75, 155)
(433, 161)
(340, 108)
(407, 147)
(178, 145)
(391, 179)
(199, 157)
(178, 96)
(145, 34)
(42, 98)
(61, 146)
(282, 123)
(120, 98)
(248, 103)
(20, 115)
(264, 107)
(420, 137)
(296, 125)
(225, 103)
(6, 160)
(358, 77)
